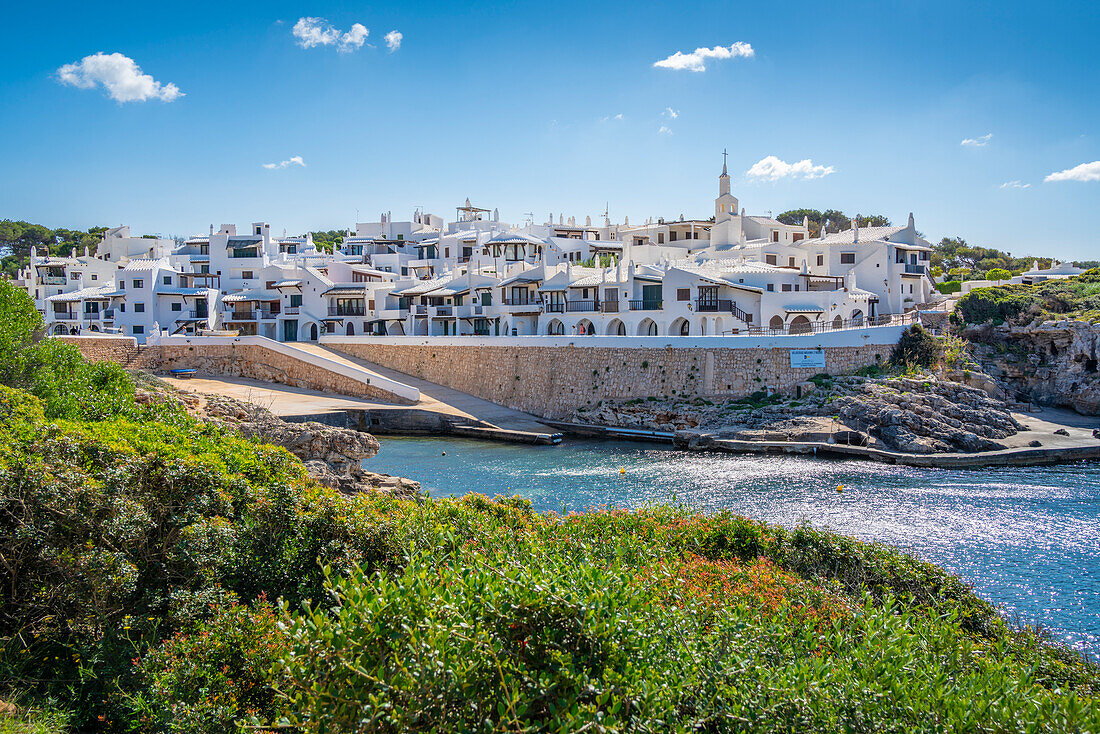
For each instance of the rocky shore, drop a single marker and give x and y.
(1051, 362)
(333, 456)
(925, 414)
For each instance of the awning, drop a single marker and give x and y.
(804, 309)
(250, 295)
(288, 284)
(346, 291)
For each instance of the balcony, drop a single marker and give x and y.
(721, 305)
(91, 315)
(555, 307)
(193, 315)
(582, 306)
(240, 315)
(914, 269)
(522, 305)
(443, 311)
(292, 310)
(108, 314)
(65, 316)
(609, 307)
(345, 311)
(644, 305)
(54, 280)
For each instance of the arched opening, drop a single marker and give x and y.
(838, 322)
(60, 330)
(395, 328)
(585, 328)
(719, 326)
(776, 323)
(616, 328)
(681, 327)
(94, 328)
(313, 332)
(351, 329)
(506, 328)
(800, 325)
(555, 328)
(857, 316)
(702, 327)
(648, 327)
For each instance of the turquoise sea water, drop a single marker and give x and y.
(1028, 539)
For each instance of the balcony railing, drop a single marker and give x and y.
(345, 310)
(581, 306)
(240, 316)
(914, 269)
(555, 306)
(108, 314)
(722, 305)
(65, 316)
(91, 315)
(482, 331)
(420, 310)
(530, 301)
(54, 280)
(644, 305)
(444, 311)
(292, 310)
(609, 306)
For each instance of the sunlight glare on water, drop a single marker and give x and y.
(1027, 538)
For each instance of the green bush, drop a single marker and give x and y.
(213, 674)
(916, 348)
(949, 286)
(998, 274)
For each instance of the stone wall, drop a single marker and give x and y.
(123, 350)
(553, 381)
(230, 359)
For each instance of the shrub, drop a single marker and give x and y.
(916, 348)
(998, 274)
(213, 674)
(949, 286)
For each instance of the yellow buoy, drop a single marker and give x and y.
(840, 488)
(622, 470)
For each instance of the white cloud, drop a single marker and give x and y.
(662, 130)
(312, 32)
(979, 142)
(294, 160)
(609, 118)
(773, 169)
(393, 40)
(1015, 185)
(119, 76)
(671, 113)
(1083, 172)
(697, 59)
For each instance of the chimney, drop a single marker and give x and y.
(911, 224)
(855, 229)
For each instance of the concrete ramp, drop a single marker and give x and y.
(468, 414)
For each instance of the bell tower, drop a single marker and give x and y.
(725, 206)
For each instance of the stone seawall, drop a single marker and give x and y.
(553, 381)
(230, 359)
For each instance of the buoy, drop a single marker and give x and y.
(622, 470)
(840, 488)
(444, 453)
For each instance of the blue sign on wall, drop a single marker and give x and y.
(809, 359)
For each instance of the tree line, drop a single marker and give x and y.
(18, 237)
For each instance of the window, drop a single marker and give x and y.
(446, 252)
(95, 277)
(269, 284)
(671, 236)
(771, 287)
(770, 259)
(139, 329)
(660, 238)
(683, 294)
(820, 260)
(74, 276)
(177, 306)
(122, 285)
(168, 280)
(246, 274)
(139, 283)
(122, 307)
(797, 286)
(775, 235)
(404, 271)
(790, 262)
(923, 256)
(370, 305)
(295, 299)
(847, 258)
(786, 287)
(139, 308)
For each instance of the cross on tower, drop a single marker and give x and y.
(723, 161)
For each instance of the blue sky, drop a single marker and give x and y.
(517, 106)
